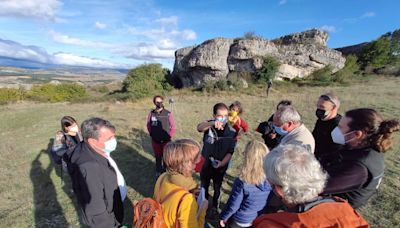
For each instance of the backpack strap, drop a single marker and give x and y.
(158, 197)
(159, 187)
(177, 209)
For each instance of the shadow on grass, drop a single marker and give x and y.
(48, 211)
(138, 170)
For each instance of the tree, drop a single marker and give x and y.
(145, 80)
(268, 70)
(377, 53)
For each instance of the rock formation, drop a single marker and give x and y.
(299, 54)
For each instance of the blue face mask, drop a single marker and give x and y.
(280, 131)
(223, 120)
(110, 146)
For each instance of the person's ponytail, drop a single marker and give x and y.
(382, 140)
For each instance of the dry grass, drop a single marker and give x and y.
(33, 195)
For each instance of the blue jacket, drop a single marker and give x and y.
(246, 201)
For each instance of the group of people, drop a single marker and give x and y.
(295, 178)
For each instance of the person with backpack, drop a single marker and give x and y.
(161, 127)
(297, 178)
(250, 190)
(176, 190)
(97, 182)
(65, 141)
(218, 148)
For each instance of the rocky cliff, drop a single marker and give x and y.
(299, 54)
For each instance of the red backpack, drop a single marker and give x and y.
(147, 213)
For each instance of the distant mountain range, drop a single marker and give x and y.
(32, 65)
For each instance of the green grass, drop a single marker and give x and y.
(32, 194)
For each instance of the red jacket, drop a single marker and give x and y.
(329, 214)
(240, 124)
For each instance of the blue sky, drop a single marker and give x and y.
(125, 33)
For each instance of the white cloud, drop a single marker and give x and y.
(282, 2)
(166, 21)
(163, 49)
(43, 9)
(329, 28)
(145, 51)
(368, 14)
(16, 50)
(100, 25)
(162, 33)
(75, 60)
(188, 34)
(166, 44)
(65, 39)
(364, 16)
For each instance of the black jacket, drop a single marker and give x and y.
(218, 143)
(356, 175)
(94, 182)
(325, 149)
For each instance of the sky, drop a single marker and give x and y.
(126, 33)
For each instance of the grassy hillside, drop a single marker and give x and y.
(32, 193)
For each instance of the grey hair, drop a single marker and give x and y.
(90, 128)
(331, 98)
(297, 171)
(288, 113)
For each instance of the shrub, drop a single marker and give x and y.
(101, 89)
(322, 75)
(349, 71)
(11, 95)
(267, 71)
(146, 80)
(222, 85)
(57, 93)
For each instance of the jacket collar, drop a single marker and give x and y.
(100, 159)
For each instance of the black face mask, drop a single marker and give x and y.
(321, 114)
(159, 105)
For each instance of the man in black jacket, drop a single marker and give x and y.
(328, 118)
(218, 148)
(96, 179)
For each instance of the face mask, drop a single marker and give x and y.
(221, 119)
(233, 113)
(280, 131)
(159, 105)
(232, 117)
(74, 129)
(110, 146)
(338, 137)
(321, 114)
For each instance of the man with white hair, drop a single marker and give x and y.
(288, 124)
(297, 178)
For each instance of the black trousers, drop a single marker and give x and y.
(207, 174)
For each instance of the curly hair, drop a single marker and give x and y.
(378, 132)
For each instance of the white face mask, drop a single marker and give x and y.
(110, 146)
(74, 129)
(338, 137)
